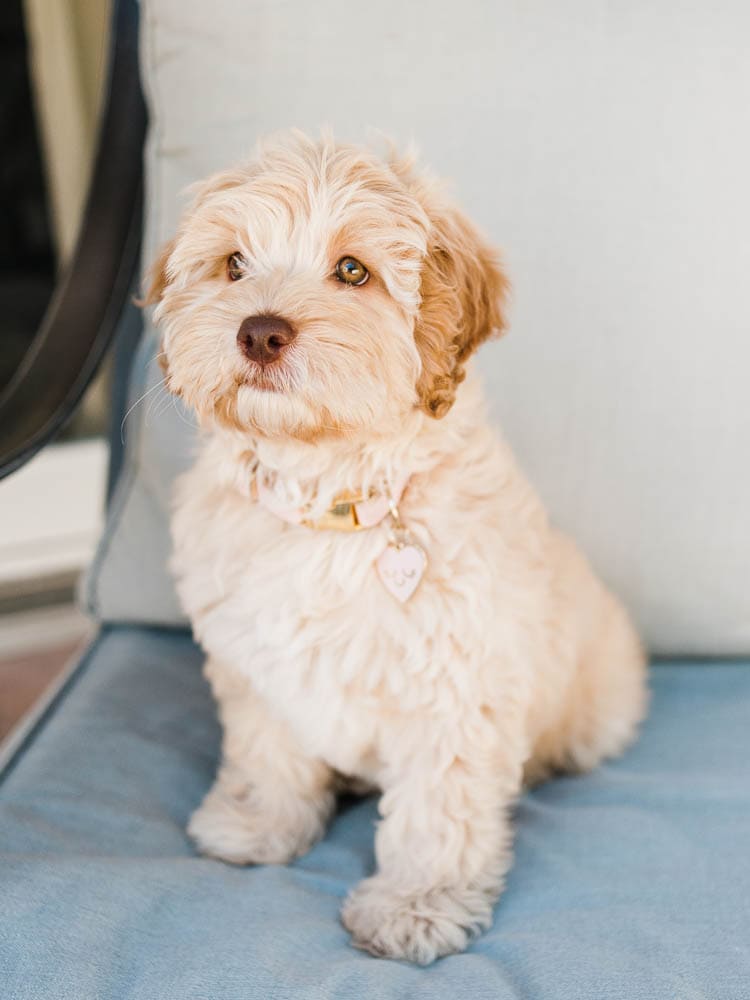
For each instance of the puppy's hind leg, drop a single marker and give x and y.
(270, 802)
(609, 696)
(605, 702)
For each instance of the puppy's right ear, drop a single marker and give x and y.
(158, 276)
(157, 280)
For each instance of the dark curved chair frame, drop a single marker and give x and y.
(88, 305)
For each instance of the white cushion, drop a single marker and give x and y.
(606, 148)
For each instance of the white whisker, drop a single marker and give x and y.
(159, 385)
(181, 415)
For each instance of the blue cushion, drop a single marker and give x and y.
(631, 882)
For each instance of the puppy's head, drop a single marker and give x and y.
(320, 291)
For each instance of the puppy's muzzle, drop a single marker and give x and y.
(263, 338)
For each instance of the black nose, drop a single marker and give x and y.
(263, 338)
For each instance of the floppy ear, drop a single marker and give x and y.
(157, 278)
(463, 291)
(156, 281)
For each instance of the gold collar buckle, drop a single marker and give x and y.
(342, 516)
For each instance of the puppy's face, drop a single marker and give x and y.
(320, 292)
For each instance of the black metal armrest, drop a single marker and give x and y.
(80, 321)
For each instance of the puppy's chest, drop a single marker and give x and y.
(305, 615)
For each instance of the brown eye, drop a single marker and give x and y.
(351, 271)
(236, 267)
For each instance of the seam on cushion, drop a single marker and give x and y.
(131, 464)
(117, 505)
(128, 476)
(52, 706)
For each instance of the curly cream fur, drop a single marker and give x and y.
(510, 660)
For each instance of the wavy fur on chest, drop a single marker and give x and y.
(303, 612)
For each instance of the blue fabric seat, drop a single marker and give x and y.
(633, 881)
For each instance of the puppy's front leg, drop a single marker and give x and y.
(444, 844)
(270, 802)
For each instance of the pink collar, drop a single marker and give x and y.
(349, 511)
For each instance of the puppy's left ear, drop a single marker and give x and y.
(463, 291)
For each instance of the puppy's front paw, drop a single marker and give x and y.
(239, 829)
(418, 926)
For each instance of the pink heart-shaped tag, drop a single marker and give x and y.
(400, 569)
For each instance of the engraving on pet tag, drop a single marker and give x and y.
(400, 568)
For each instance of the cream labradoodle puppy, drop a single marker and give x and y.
(382, 598)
